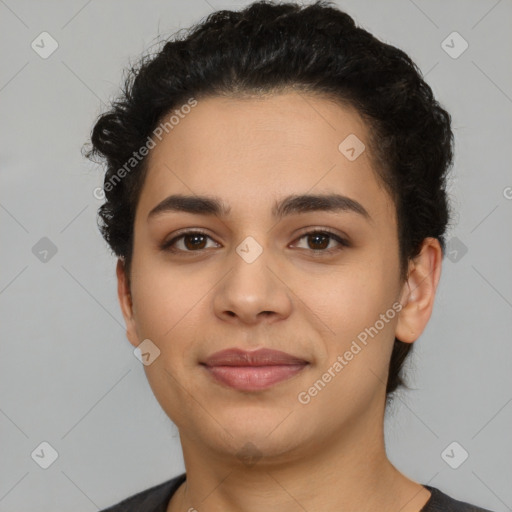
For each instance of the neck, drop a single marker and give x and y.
(344, 472)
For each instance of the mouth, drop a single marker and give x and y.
(253, 371)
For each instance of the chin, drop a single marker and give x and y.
(271, 435)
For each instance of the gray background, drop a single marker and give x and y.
(69, 375)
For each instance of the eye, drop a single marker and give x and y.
(193, 241)
(318, 240)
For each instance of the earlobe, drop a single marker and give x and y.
(419, 290)
(126, 303)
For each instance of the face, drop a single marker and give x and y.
(253, 278)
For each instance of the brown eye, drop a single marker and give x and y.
(319, 240)
(193, 241)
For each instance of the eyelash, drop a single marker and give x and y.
(167, 246)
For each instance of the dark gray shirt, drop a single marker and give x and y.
(156, 499)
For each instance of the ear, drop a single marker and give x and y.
(419, 291)
(125, 301)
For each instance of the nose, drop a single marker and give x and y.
(252, 292)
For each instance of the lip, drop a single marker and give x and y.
(260, 357)
(253, 371)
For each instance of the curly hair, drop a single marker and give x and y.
(268, 48)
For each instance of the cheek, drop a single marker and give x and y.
(355, 359)
(357, 306)
(169, 302)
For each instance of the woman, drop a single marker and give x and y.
(275, 195)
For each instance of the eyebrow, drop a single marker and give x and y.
(290, 205)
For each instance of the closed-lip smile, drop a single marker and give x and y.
(252, 370)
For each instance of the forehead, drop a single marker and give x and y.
(253, 151)
(261, 127)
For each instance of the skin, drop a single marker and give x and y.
(328, 454)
